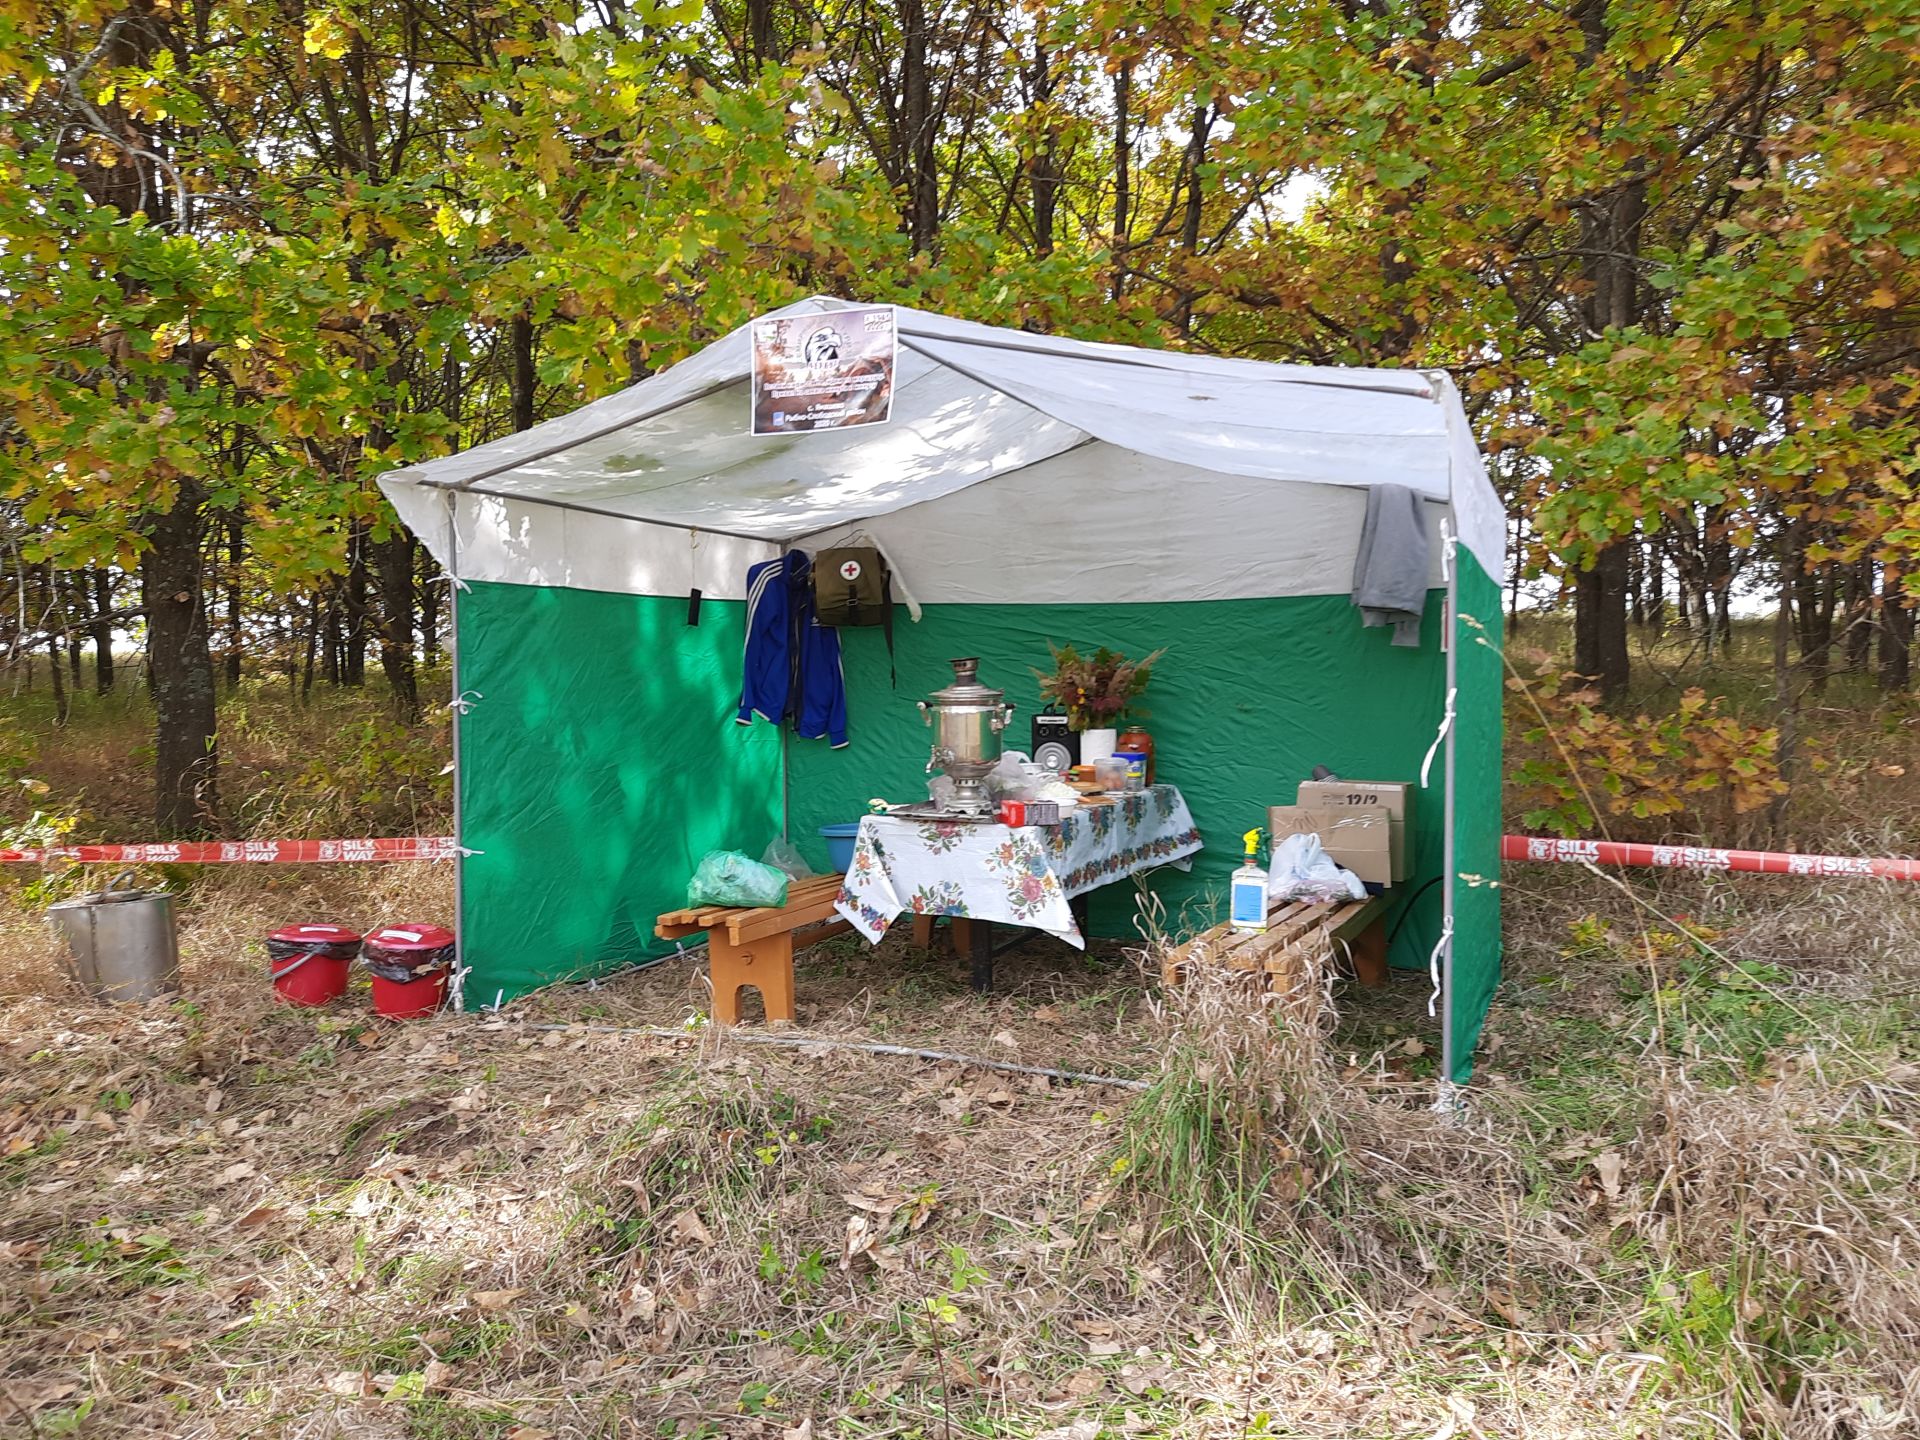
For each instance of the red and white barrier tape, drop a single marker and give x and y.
(1701, 857)
(444, 847)
(244, 852)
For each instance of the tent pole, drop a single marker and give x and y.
(1150, 363)
(1450, 636)
(605, 514)
(977, 379)
(592, 435)
(459, 834)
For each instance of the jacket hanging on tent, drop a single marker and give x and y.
(1390, 570)
(791, 670)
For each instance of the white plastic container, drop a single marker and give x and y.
(1097, 745)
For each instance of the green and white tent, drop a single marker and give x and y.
(1027, 489)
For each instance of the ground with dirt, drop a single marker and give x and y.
(1681, 1203)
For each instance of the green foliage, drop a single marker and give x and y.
(1668, 250)
(133, 1259)
(1573, 763)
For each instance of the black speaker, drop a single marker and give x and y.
(1056, 744)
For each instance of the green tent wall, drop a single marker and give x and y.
(600, 759)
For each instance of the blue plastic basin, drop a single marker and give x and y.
(839, 840)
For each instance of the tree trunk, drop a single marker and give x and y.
(395, 556)
(1859, 615)
(1122, 174)
(1656, 590)
(102, 630)
(353, 654)
(522, 382)
(329, 628)
(1636, 584)
(315, 631)
(1197, 135)
(186, 760)
(1716, 610)
(1043, 176)
(1896, 633)
(760, 42)
(1814, 629)
(1786, 710)
(1600, 622)
(62, 706)
(916, 142)
(289, 645)
(74, 605)
(429, 616)
(236, 551)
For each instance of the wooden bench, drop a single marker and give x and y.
(1295, 930)
(755, 946)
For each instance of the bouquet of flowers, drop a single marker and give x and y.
(1097, 690)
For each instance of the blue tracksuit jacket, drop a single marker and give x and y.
(792, 667)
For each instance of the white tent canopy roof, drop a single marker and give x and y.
(971, 403)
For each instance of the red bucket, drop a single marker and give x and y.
(308, 964)
(410, 965)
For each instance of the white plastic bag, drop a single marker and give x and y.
(1302, 870)
(782, 856)
(1013, 778)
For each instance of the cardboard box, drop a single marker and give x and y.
(1395, 797)
(1360, 839)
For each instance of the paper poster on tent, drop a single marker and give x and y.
(823, 371)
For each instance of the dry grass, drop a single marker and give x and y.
(1681, 1204)
(1664, 1215)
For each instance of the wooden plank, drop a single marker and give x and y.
(803, 893)
(754, 924)
(812, 885)
(1295, 926)
(1358, 914)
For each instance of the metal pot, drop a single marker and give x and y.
(967, 718)
(123, 941)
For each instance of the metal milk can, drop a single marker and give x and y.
(123, 941)
(967, 718)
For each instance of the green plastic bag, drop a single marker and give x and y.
(726, 877)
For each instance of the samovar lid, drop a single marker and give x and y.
(966, 688)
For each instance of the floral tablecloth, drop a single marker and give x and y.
(1018, 876)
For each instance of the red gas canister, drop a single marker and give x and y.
(410, 965)
(308, 963)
